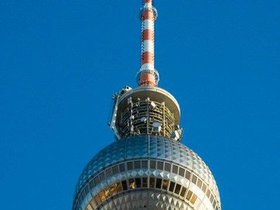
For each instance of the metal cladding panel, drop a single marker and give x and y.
(145, 200)
(147, 147)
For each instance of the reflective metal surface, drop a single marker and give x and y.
(151, 159)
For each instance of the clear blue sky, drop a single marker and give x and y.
(61, 61)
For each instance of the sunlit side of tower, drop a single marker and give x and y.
(147, 167)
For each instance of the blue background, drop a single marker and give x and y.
(62, 60)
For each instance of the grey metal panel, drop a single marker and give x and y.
(145, 200)
(147, 147)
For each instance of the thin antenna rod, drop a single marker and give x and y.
(148, 76)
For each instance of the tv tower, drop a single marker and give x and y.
(147, 167)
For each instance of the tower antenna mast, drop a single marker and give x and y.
(148, 75)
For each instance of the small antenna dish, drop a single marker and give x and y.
(157, 127)
(143, 119)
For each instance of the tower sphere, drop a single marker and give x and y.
(146, 172)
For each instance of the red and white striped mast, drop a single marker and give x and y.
(148, 75)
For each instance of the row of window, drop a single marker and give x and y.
(149, 164)
(142, 183)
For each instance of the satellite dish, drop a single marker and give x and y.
(143, 119)
(157, 127)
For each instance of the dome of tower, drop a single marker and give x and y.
(146, 172)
